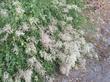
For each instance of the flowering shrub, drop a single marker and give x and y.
(35, 34)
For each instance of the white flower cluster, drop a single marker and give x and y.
(66, 7)
(19, 33)
(52, 26)
(15, 49)
(6, 77)
(69, 48)
(23, 74)
(74, 7)
(7, 29)
(26, 74)
(33, 20)
(46, 56)
(18, 7)
(22, 29)
(33, 62)
(30, 49)
(4, 12)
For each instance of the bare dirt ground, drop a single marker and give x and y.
(96, 71)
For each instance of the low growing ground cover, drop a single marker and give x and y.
(40, 37)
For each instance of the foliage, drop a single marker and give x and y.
(23, 19)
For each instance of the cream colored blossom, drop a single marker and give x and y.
(30, 48)
(52, 28)
(39, 68)
(53, 25)
(36, 78)
(27, 75)
(24, 74)
(69, 6)
(66, 10)
(7, 77)
(16, 3)
(32, 39)
(31, 61)
(58, 44)
(19, 33)
(49, 78)
(55, 1)
(76, 8)
(69, 60)
(16, 49)
(19, 10)
(71, 48)
(69, 18)
(37, 65)
(7, 28)
(4, 38)
(4, 12)
(66, 37)
(25, 27)
(46, 56)
(33, 20)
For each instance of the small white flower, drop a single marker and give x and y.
(61, 4)
(37, 65)
(16, 3)
(4, 38)
(25, 27)
(19, 33)
(69, 7)
(32, 39)
(66, 10)
(81, 32)
(30, 49)
(4, 12)
(36, 78)
(31, 61)
(52, 27)
(15, 49)
(69, 29)
(49, 79)
(27, 75)
(76, 8)
(55, 1)
(69, 18)
(82, 40)
(63, 23)
(7, 29)
(33, 20)
(46, 56)
(6, 75)
(19, 10)
(66, 37)
(59, 44)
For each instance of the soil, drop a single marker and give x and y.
(98, 11)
